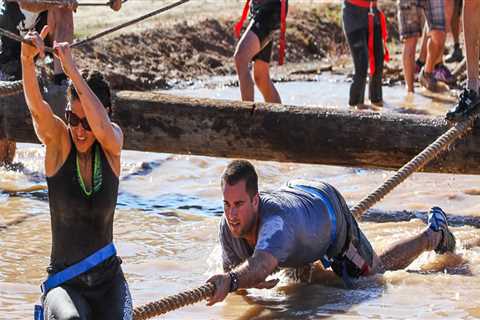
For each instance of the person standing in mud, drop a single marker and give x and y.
(411, 16)
(365, 28)
(299, 224)
(255, 46)
(60, 23)
(82, 166)
(470, 96)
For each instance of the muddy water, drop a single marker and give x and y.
(166, 227)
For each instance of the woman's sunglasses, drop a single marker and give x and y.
(74, 120)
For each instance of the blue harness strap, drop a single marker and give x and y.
(73, 271)
(77, 269)
(326, 261)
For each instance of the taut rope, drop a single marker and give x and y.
(174, 302)
(432, 151)
(68, 2)
(128, 23)
(8, 88)
(418, 162)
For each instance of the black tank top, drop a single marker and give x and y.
(81, 224)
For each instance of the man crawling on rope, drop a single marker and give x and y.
(298, 225)
(60, 24)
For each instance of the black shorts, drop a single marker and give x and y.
(264, 22)
(101, 294)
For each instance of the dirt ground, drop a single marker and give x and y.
(169, 52)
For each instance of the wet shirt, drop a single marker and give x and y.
(81, 223)
(355, 17)
(294, 227)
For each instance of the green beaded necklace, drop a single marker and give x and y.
(97, 174)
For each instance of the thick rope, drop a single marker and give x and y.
(48, 2)
(79, 43)
(432, 151)
(10, 88)
(74, 3)
(418, 162)
(18, 38)
(171, 303)
(128, 23)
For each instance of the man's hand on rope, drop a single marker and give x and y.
(37, 46)
(116, 4)
(222, 288)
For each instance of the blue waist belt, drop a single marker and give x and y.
(73, 271)
(326, 261)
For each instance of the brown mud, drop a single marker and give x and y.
(168, 55)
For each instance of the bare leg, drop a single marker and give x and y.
(471, 25)
(7, 151)
(404, 252)
(423, 49)
(247, 48)
(456, 27)
(409, 62)
(435, 47)
(449, 7)
(60, 24)
(261, 74)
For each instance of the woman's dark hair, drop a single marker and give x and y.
(238, 170)
(99, 85)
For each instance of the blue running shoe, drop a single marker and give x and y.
(437, 221)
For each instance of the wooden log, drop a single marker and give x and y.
(164, 123)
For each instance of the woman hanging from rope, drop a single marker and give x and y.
(60, 23)
(82, 166)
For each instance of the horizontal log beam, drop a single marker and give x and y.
(164, 123)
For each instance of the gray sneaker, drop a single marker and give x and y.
(437, 221)
(428, 81)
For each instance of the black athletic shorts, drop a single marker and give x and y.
(264, 21)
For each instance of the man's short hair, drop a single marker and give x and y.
(238, 170)
(99, 86)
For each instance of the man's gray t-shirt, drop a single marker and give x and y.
(294, 227)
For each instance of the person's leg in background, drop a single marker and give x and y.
(60, 23)
(375, 91)
(469, 98)
(455, 27)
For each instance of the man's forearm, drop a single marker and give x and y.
(255, 270)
